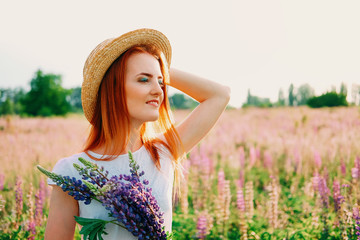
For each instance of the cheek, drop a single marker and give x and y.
(135, 96)
(162, 95)
(130, 97)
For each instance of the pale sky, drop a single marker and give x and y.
(258, 45)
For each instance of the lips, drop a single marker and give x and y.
(154, 103)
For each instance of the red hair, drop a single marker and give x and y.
(111, 123)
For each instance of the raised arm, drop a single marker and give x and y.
(213, 98)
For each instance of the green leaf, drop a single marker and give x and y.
(16, 233)
(88, 164)
(77, 167)
(92, 229)
(51, 175)
(93, 188)
(169, 235)
(83, 221)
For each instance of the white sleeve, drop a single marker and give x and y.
(65, 167)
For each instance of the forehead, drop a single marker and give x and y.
(143, 62)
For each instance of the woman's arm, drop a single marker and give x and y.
(61, 222)
(213, 98)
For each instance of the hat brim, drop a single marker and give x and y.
(101, 58)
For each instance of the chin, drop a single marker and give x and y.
(154, 119)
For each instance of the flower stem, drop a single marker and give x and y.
(117, 223)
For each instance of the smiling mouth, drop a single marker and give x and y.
(154, 103)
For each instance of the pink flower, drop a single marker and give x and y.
(317, 159)
(355, 173)
(31, 227)
(221, 181)
(240, 202)
(343, 168)
(39, 203)
(315, 181)
(18, 197)
(357, 162)
(338, 198)
(253, 156)
(242, 157)
(241, 178)
(201, 227)
(2, 180)
(267, 160)
(324, 192)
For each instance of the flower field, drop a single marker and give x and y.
(286, 173)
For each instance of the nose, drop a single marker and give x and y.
(156, 89)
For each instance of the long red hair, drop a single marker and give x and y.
(111, 123)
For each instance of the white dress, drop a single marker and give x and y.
(161, 183)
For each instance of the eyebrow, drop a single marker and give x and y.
(148, 75)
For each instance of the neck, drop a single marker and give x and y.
(134, 140)
(133, 145)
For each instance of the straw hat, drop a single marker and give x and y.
(101, 58)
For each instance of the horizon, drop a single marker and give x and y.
(259, 45)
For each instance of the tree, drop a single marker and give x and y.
(10, 101)
(329, 99)
(343, 89)
(355, 93)
(248, 102)
(75, 99)
(46, 97)
(180, 101)
(304, 92)
(6, 103)
(254, 101)
(281, 98)
(291, 95)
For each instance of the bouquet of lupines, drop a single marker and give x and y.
(125, 197)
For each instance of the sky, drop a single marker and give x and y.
(261, 45)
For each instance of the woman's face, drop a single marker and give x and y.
(143, 82)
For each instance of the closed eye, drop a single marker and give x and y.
(161, 82)
(144, 79)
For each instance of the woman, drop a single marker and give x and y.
(124, 97)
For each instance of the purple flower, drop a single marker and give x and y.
(338, 198)
(343, 168)
(74, 187)
(201, 227)
(39, 205)
(132, 205)
(324, 192)
(31, 222)
(315, 181)
(31, 227)
(125, 197)
(42, 189)
(2, 180)
(356, 217)
(39, 202)
(18, 197)
(357, 162)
